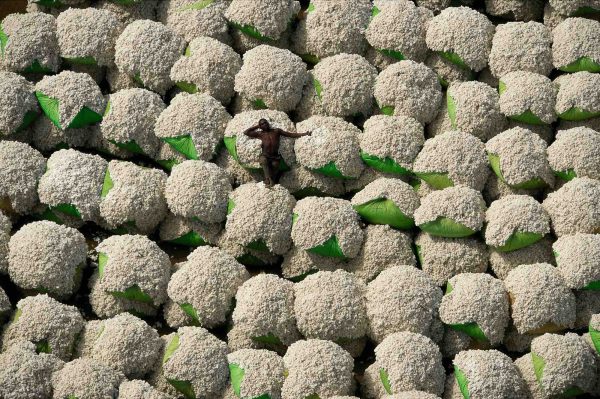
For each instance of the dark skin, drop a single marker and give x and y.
(270, 138)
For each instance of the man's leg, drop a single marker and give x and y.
(265, 163)
(275, 172)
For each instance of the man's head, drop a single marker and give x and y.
(264, 124)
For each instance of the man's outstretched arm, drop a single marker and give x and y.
(252, 132)
(293, 135)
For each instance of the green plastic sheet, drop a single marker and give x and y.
(385, 380)
(190, 239)
(532, 184)
(330, 248)
(190, 311)
(330, 169)
(387, 164)
(384, 211)
(445, 227)
(462, 382)
(236, 374)
(436, 180)
(518, 240)
(471, 329)
(578, 114)
(184, 145)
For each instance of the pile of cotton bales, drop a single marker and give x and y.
(435, 234)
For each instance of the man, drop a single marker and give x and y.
(270, 157)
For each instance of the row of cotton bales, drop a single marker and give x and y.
(429, 215)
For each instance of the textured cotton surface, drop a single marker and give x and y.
(463, 32)
(211, 67)
(207, 269)
(319, 219)
(137, 55)
(431, 231)
(512, 214)
(576, 150)
(554, 307)
(16, 100)
(45, 256)
(31, 37)
(525, 46)
(74, 178)
(331, 305)
(43, 320)
(460, 204)
(392, 89)
(343, 85)
(21, 168)
(456, 154)
(316, 365)
(136, 197)
(409, 292)
(442, 258)
(198, 116)
(273, 75)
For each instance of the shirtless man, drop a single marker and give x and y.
(270, 157)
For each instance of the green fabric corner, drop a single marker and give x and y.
(592, 286)
(43, 346)
(133, 293)
(578, 114)
(268, 339)
(102, 259)
(36, 67)
(375, 11)
(528, 117)
(436, 180)
(85, 117)
(451, 110)
(184, 145)
(387, 164)
(445, 227)
(330, 169)
(251, 31)
(28, 119)
(538, 367)
(310, 58)
(387, 110)
(183, 387)
(595, 336)
(187, 87)
(168, 164)
(582, 64)
(172, 346)
(191, 312)
(190, 239)
(258, 245)
(82, 60)
(230, 206)
(107, 185)
(196, 6)
(454, 58)
(330, 248)
(67, 209)
(471, 329)
(318, 88)
(385, 381)
(49, 106)
(130, 146)
(501, 87)
(532, 184)
(395, 54)
(462, 382)
(566, 175)
(3, 40)
(518, 240)
(236, 374)
(231, 146)
(384, 211)
(259, 104)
